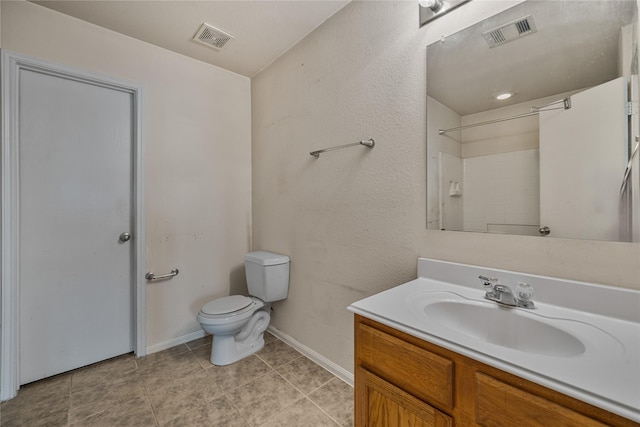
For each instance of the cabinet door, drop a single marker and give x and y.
(381, 404)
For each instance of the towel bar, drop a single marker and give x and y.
(368, 143)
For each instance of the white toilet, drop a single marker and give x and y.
(236, 322)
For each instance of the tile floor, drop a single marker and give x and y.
(179, 387)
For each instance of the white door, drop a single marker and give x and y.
(75, 149)
(582, 160)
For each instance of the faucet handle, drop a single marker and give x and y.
(524, 291)
(488, 282)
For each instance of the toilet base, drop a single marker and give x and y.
(225, 352)
(228, 349)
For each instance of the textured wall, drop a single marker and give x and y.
(354, 221)
(198, 156)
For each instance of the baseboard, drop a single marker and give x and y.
(175, 341)
(327, 364)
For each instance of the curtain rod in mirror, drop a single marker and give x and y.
(535, 110)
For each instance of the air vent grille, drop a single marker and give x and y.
(510, 32)
(523, 26)
(497, 37)
(212, 37)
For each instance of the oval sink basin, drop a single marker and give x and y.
(505, 327)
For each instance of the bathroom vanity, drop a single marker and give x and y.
(435, 352)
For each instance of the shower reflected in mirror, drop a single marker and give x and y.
(532, 122)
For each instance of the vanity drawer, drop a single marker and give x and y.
(423, 374)
(383, 404)
(498, 404)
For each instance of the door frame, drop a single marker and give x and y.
(11, 66)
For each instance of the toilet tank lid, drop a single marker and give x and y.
(266, 258)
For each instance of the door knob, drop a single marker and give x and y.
(545, 231)
(124, 237)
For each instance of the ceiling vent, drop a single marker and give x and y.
(510, 32)
(212, 37)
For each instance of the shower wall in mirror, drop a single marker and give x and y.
(551, 158)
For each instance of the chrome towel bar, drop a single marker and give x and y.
(368, 143)
(151, 276)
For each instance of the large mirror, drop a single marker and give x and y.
(555, 156)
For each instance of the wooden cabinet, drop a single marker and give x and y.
(401, 380)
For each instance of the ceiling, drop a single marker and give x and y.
(263, 29)
(575, 47)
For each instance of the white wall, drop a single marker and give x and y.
(441, 117)
(354, 221)
(198, 161)
(502, 189)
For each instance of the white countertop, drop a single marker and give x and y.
(606, 320)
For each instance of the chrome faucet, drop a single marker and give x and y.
(503, 294)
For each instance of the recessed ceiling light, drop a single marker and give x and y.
(504, 96)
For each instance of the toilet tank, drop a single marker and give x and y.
(267, 275)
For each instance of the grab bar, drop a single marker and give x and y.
(151, 276)
(368, 143)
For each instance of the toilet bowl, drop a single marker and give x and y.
(236, 322)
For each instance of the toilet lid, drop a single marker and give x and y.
(226, 304)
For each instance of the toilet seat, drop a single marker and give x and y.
(226, 305)
(231, 306)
